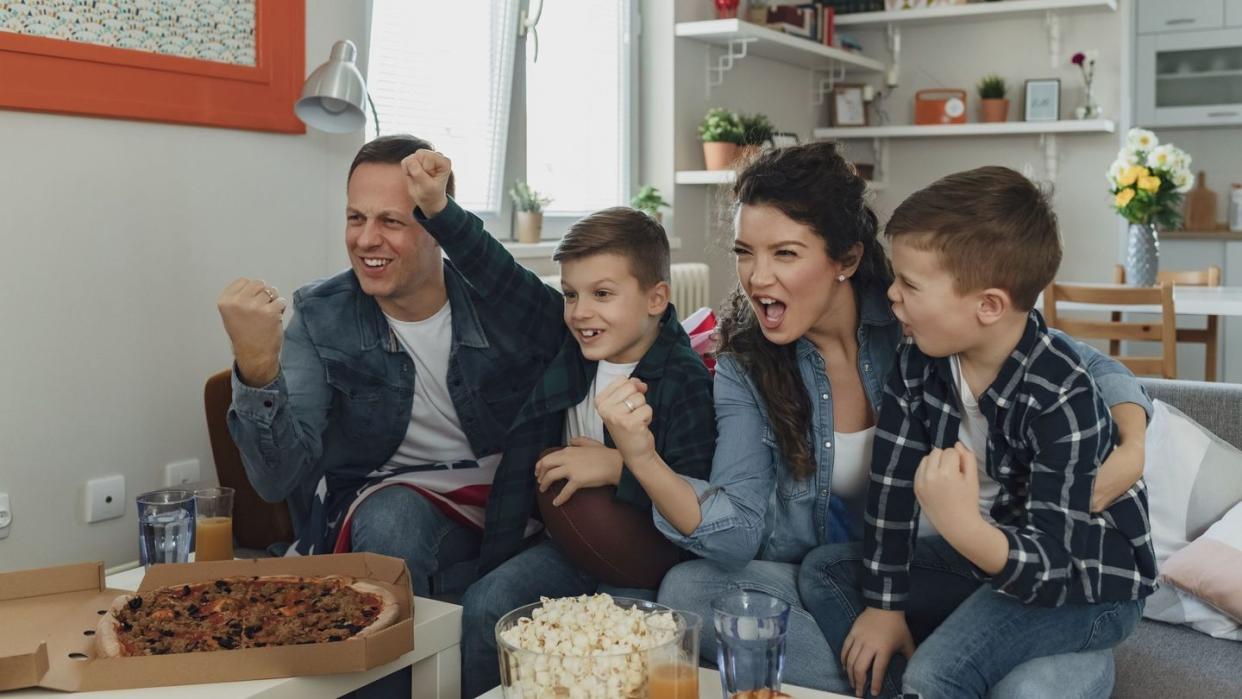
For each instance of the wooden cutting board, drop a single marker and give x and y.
(1200, 209)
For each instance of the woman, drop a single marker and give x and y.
(806, 343)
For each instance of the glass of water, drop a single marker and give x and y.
(165, 526)
(750, 641)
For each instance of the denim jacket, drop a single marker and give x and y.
(341, 403)
(752, 507)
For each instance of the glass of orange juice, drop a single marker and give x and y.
(673, 668)
(213, 530)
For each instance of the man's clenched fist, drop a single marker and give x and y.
(251, 311)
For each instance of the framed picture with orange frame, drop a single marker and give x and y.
(233, 64)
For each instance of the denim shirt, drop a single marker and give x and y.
(341, 403)
(752, 507)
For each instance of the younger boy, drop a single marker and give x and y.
(993, 429)
(622, 352)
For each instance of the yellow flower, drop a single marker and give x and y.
(1131, 174)
(1149, 184)
(1123, 197)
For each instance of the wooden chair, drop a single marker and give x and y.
(1207, 335)
(1110, 297)
(256, 522)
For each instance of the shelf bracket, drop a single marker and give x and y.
(893, 35)
(1049, 143)
(836, 74)
(735, 51)
(879, 147)
(1052, 21)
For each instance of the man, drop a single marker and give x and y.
(380, 413)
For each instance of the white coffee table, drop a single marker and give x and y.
(709, 688)
(435, 660)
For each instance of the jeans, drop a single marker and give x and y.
(440, 553)
(692, 586)
(973, 641)
(540, 570)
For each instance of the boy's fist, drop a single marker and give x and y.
(427, 173)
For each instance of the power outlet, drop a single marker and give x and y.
(6, 515)
(105, 499)
(180, 473)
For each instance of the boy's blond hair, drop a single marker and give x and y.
(634, 235)
(991, 228)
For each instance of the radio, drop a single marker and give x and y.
(940, 106)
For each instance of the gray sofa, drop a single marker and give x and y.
(1163, 660)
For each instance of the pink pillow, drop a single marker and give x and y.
(1210, 567)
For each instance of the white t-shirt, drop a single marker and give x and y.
(434, 434)
(851, 466)
(973, 433)
(583, 420)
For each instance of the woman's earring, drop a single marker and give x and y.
(840, 277)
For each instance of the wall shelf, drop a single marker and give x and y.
(1007, 128)
(958, 13)
(741, 39)
(1046, 131)
(728, 176)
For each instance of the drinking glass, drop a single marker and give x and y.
(750, 634)
(165, 526)
(673, 668)
(214, 524)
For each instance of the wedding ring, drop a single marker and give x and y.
(271, 295)
(630, 405)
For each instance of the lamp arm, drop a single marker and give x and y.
(373, 113)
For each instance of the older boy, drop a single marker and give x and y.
(622, 352)
(992, 427)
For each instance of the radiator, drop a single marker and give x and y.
(689, 283)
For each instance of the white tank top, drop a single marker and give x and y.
(851, 467)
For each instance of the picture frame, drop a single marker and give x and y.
(784, 139)
(848, 106)
(46, 74)
(1042, 100)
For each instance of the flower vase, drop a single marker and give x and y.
(1089, 109)
(1142, 255)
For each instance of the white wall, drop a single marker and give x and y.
(119, 235)
(932, 56)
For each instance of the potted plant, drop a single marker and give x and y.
(1147, 182)
(756, 132)
(721, 133)
(993, 106)
(529, 205)
(649, 201)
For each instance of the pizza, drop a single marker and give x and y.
(243, 612)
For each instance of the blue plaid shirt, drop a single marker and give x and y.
(1048, 433)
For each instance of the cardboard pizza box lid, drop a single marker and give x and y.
(58, 609)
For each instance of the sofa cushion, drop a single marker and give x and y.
(1210, 567)
(1163, 660)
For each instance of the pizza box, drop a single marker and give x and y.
(50, 615)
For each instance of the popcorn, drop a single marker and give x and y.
(583, 647)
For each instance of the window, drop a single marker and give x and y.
(561, 119)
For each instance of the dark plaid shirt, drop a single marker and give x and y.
(679, 388)
(1048, 433)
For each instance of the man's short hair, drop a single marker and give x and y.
(991, 228)
(392, 149)
(634, 235)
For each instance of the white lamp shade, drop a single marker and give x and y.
(334, 95)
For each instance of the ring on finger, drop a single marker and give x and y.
(271, 295)
(630, 405)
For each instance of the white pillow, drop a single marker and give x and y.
(1210, 568)
(1193, 478)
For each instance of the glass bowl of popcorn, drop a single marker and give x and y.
(587, 647)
